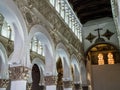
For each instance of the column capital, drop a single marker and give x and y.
(85, 87)
(50, 80)
(19, 73)
(4, 83)
(29, 86)
(68, 84)
(77, 86)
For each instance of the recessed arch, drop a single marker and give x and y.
(59, 67)
(15, 19)
(35, 77)
(76, 69)
(43, 35)
(104, 49)
(61, 52)
(99, 44)
(41, 66)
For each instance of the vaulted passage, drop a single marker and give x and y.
(35, 77)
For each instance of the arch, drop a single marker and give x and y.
(59, 68)
(14, 17)
(35, 77)
(76, 69)
(41, 67)
(98, 44)
(61, 52)
(103, 48)
(3, 63)
(42, 34)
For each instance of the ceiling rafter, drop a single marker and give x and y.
(91, 9)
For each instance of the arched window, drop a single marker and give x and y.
(110, 58)
(6, 30)
(37, 46)
(100, 59)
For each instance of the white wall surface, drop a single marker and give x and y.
(106, 77)
(105, 23)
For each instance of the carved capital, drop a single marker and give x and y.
(77, 86)
(29, 86)
(50, 80)
(85, 87)
(67, 84)
(4, 83)
(18, 73)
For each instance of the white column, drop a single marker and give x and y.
(50, 82)
(18, 85)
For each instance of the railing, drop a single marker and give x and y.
(69, 16)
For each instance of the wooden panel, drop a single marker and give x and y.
(91, 9)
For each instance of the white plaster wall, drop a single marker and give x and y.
(106, 77)
(105, 23)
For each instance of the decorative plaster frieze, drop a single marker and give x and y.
(50, 80)
(77, 87)
(19, 73)
(29, 86)
(55, 37)
(4, 83)
(68, 84)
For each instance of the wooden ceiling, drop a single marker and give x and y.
(91, 9)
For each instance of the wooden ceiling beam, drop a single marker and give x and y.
(80, 2)
(99, 6)
(94, 12)
(84, 19)
(89, 4)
